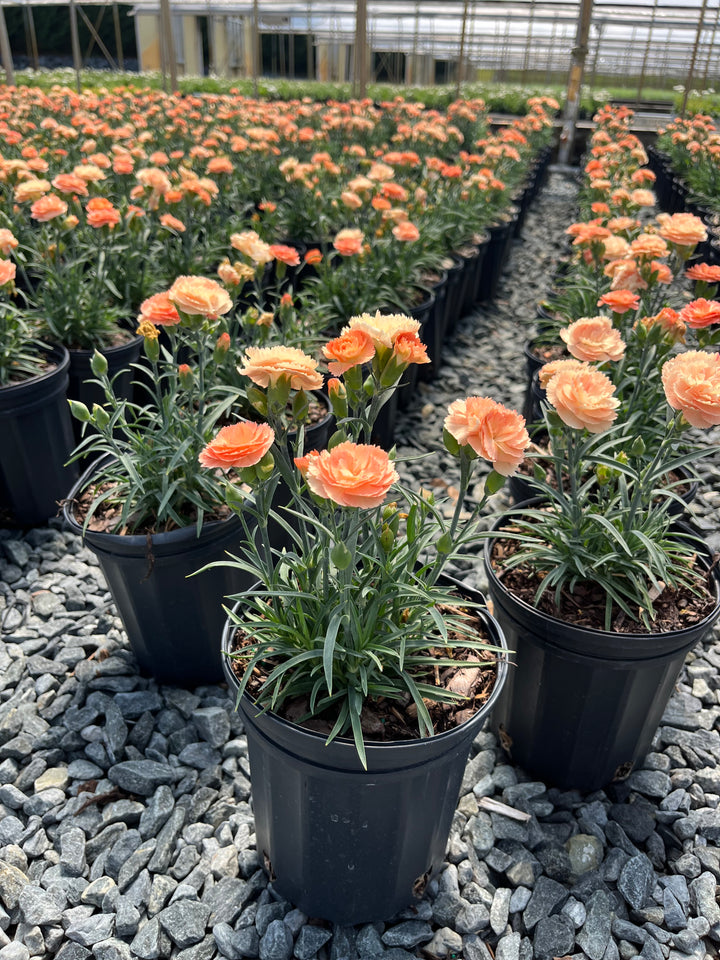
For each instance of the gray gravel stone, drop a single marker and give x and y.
(309, 941)
(637, 881)
(276, 943)
(142, 777)
(554, 937)
(546, 896)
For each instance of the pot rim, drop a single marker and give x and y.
(53, 351)
(502, 663)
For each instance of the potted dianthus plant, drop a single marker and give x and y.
(361, 672)
(599, 587)
(35, 424)
(145, 506)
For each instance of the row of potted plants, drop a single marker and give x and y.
(686, 161)
(106, 199)
(625, 382)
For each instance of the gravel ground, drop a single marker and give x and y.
(126, 824)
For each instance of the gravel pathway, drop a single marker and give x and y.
(126, 825)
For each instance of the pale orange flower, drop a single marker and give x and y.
(30, 190)
(159, 310)
(583, 399)
(682, 229)
(7, 272)
(548, 370)
(71, 184)
(648, 245)
(228, 274)
(643, 198)
(706, 272)
(351, 200)
(620, 301)
(615, 248)
(349, 242)
(200, 297)
(285, 254)
(238, 445)
(250, 243)
(692, 385)
(218, 165)
(406, 231)
(384, 329)
(625, 275)
(409, 348)
(351, 475)
(593, 339)
(495, 433)
(48, 207)
(265, 365)
(353, 347)
(701, 313)
(172, 223)
(8, 241)
(101, 213)
(669, 320)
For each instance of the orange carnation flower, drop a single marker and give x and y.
(172, 223)
(351, 475)
(669, 320)
(200, 297)
(159, 310)
(353, 347)
(583, 399)
(265, 365)
(8, 241)
(548, 370)
(285, 254)
(406, 231)
(238, 445)
(7, 272)
(701, 313)
(349, 242)
(47, 208)
(682, 229)
(692, 385)
(101, 213)
(313, 257)
(705, 272)
(71, 184)
(620, 301)
(491, 430)
(409, 348)
(593, 339)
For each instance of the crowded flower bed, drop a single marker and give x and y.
(105, 199)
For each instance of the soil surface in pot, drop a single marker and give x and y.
(106, 517)
(383, 719)
(585, 606)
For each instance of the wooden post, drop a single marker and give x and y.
(5, 51)
(572, 99)
(693, 58)
(361, 48)
(461, 56)
(168, 45)
(118, 38)
(75, 39)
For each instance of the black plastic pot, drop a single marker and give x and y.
(497, 250)
(434, 331)
(36, 440)
(346, 844)
(173, 620)
(455, 292)
(581, 706)
(424, 313)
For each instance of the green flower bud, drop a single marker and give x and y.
(234, 498)
(387, 538)
(300, 406)
(152, 349)
(79, 411)
(265, 467)
(99, 364)
(100, 416)
(341, 556)
(638, 447)
(603, 474)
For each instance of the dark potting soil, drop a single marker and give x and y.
(585, 605)
(382, 719)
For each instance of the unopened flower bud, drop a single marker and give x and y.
(100, 416)
(185, 375)
(387, 538)
(341, 556)
(338, 397)
(99, 364)
(221, 347)
(79, 411)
